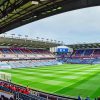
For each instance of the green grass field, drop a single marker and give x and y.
(67, 80)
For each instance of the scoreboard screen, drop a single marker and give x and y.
(62, 50)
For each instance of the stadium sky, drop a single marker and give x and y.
(76, 26)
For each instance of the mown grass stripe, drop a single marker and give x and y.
(67, 79)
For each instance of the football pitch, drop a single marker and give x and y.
(67, 79)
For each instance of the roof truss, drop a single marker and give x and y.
(14, 13)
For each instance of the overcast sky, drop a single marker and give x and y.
(76, 26)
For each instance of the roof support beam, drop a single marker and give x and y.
(42, 11)
(8, 9)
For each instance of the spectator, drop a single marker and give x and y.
(87, 98)
(98, 98)
(79, 98)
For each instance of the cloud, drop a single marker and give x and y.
(75, 26)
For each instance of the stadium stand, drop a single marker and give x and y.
(4, 65)
(86, 53)
(28, 63)
(6, 95)
(24, 93)
(22, 53)
(16, 58)
(85, 56)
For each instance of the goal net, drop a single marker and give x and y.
(5, 76)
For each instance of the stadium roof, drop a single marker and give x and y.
(17, 42)
(14, 13)
(85, 46)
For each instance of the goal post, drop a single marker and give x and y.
(5, 76)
